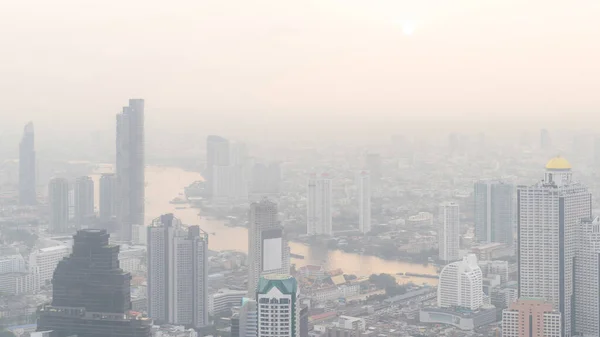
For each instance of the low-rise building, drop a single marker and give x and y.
(225, 299)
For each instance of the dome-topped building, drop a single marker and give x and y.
(558, 163)
(558, 171)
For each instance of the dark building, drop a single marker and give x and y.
(27, 195)
(91, 295)
(303, 321)
(235, 325)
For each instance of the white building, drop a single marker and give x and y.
(352, 323)
(364, 201)
(319, 219)
(587, 278)
(278, 309)
(549, 214)
(531, 317)
(58, 195)
(130, 258)
(460, 284)
(20, 283)
(173, 331)
(12, 264)
(177, 273)
(449, 232)
(46, 260)
(225, 299)
(139, 234)
(268, 250)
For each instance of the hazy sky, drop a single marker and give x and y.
(378, 65)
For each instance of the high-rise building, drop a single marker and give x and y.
(545, 140)
(27, 194)
(266, 179)
(108, 197)
(46, 260)
(531, 317)
(268, 250)
(494, 211)
(587, 278)
(177, 273)
(247, 316)
(84, 201)
(130, 167)
(226, 170)
(374, 166)
(449, 232)
(364, 202)
(461, 284)
(217, 154)
(91, 295)
(58, 197)
(319, 220)
(549, 214)
(278, 307)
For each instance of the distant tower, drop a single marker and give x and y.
(374, 165)
(449, 233)
(177, 273)
(278, 307)
(27, 194)
(130, 167)
(268, 250)
(364, 202)
(84, 201)
(58, 197)
(108, 197)
(549, 214)
(545, 140)
(319, 220)
(217, 154)
(461, 284)
(531, 317)
(494, 211)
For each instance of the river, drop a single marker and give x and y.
(165, 183)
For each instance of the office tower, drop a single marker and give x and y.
(177, 273)
(364, 202)
(460, 284)
(46, 260)
(278, 307)
(247, 318)
(58, 197)
(449, 232)
(108, 197)
(91, 296)
(587, 278)
(268, 250)
(217, 154)
(84, 201)
(549, 214)
(130, 167)
(531, 317)
(226, 170)
(319, 205)
(374, 166)
(27, 194)
(494, 211)
(545, 140)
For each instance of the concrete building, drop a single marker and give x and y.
(217, 154)
(587, 278)
(46, 260)
(108, 196)
(494, 211)
(278, 307)
(177, 273)
(449, 232)
(460, 284)
(364, 201)
(58, 195)
(19, 283)
(268, 250)
(549, 214)
(319, 218)
(247, 316)
(531, 317)
(459, 318)
(139, 234)
(84, 201)
(27, 172)
(225, 299)
(131, 183)
(12, 264)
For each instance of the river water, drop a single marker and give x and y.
(165, 183)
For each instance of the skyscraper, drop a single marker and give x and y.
(494, 211)
(364, 202)
(58, 197)
(587, 278)
(549, 213)
(177, 273)
(461, 284)
(531, 317)
(319, 221)
(91, 296)
(130, 167)
(449, 232)
(268, 250)
(27, 194)
(217, 154)
(108, 197)
(84, 201)
(278, 307)
(374, 166)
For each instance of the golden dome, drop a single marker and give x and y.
(558, 163)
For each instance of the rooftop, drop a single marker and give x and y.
(558, 163)
(287, 284)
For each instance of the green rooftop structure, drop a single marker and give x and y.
(278, 309)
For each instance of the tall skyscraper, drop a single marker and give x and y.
(177, 273)
(374, 165)
(27, 194)
(461, 284)
(268, 250)
(108, 197)
(58, 197)
(319, 220)
(217, 154)
(587, 278)
(91, 296)
(130, 167)
(84, 201)
(449, 232)
(549, 213)
(364, 202)
(278, 307)
(531, 317)
(494, 211)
